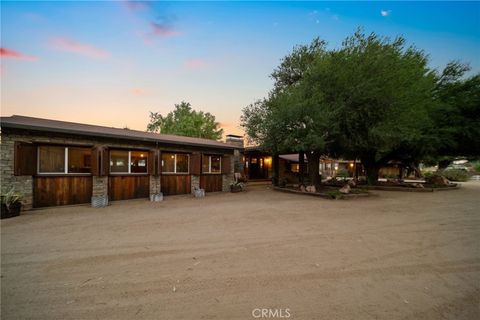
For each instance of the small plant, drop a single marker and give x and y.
(476, 167)
(454, 174)
(237, 186)
(390, 176)
(343, 173)
(334, 194)
(10, 204)
(427, 174)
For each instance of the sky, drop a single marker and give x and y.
(112, 62)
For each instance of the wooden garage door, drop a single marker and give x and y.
(211, 182)
(175, 184)
(59, 191)
(128, 187)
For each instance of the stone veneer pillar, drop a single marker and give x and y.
(155, 185)
(228, 178)
(195, 183)
(20, 184)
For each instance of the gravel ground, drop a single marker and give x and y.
(395, 255)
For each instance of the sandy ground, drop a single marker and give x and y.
(396, 255)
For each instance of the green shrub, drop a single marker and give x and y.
(476, 167)
(454, 174)
(334, 194)
(342, 173)
(428, 174)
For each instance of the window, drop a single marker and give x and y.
(64, 160)
(212, 164)
(175, 162)
(118, 161)
(79, 160)
(138, 161)
(295, 167)
(122, 161)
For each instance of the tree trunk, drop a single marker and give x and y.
(401, 172)
(442, 164)
(371, 171)
(276, 169)
(301, 167)
(313, 158)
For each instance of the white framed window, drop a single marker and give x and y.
(128, 162)
(175, 162)
(212, 164)
(63, 160)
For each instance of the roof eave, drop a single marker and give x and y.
(107, 135)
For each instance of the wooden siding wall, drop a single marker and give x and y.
(211, 182)
(59, 191)
(128, 187)
(175, 184)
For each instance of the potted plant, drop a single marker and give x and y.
(237, 186)
(10, 204)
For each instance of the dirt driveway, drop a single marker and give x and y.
(392, 256)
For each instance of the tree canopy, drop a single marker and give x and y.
(371, 99)
(185, 121)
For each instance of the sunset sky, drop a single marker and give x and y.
(110, 63)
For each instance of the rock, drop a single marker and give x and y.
(311, 189)
(199, 193)
(345, 189)
(302, 188)
(352, 183)
(439, 181)
(418, 185)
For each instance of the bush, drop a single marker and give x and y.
(476, 167)
(454, 174)
(428, 174)
(342, 173)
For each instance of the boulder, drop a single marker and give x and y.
(311, 189)
(418, 185)
(439, 180)
(352, 183)
(199, 193)
(345, 189)
(302, 188)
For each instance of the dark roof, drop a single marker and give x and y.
(47, 125)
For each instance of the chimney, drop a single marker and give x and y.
(234, 140)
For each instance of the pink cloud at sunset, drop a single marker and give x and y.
(138, 91)
(195, 64)
(8, 53)
(136, 5)
(162, 30)
(70, 45)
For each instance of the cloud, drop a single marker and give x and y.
(195, 64)
(137, 5)
(70, 45)
(162, 30)
(385, 13)
(138, 92)
(8, 53)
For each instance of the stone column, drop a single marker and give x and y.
(99, 191)
(20, 184)
(195, 183)
(228, 178)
